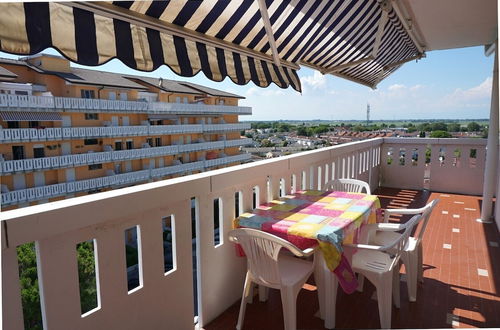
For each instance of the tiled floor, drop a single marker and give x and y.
(461, 270)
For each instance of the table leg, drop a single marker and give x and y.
(327, 284)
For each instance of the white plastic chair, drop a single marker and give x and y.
(384, 233)
(380, 264)
(347, 185)
(267, 267)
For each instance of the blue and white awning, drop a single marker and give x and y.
(262, 41)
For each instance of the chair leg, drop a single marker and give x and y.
(244, 298)
(420, 265)
(361, 282)
(384, 295)
(396, 287)
(412, 275)
(289, 301)
(263, 293)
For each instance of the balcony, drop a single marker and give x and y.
(451, 293)
(11, 135)
(10, 102)
(49, 163)
(61, 189)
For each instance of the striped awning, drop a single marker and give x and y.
(30, 116)
(262, 41)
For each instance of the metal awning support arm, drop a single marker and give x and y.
(348, 65)
(404, 20)
(413, 58)
(269, 31)
(386, 6)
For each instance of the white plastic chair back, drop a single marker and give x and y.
(426, 214)
(262, 251)
(347, 185)
(396, 248)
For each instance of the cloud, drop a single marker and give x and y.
(468, 97)
(258, 91)
(396, 87)
(316, 81)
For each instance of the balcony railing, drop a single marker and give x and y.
(166, 299)
(49, 163)
(12, 102)
(61, 189)
(11, 135)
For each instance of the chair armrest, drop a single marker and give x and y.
(366, 247)
(388, 212)
(308, 252)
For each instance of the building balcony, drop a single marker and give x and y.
(10, 102)
(21, 196)
(456, 291)
(49, 163)
(12, 135)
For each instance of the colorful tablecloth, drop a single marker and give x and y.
(312, 217)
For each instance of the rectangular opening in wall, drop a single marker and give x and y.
(256, 197)
(319, 178)
(28, 281)
(238, 203)
(133, 258)
(402, 157)
(428, 154)
(442, 156)
(194, 246)
(86, 254)
(390, 154)
(457, 154)
(169, 254)
(218, 222)
(303, 180)
(293, 185)
(472, 158)
(414, 157)
(282, 188)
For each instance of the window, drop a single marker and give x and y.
(38, 152)
(118, 145)
(34, 124)
(18, 152)
(149, 141)
(186, 99)
(95, 167)
(89, 142)
(130, 144)
(91, 116)
(123, 96)
(177, 99)
(158, 142)
(21, 93)
(112, 95)
(87, 94)
(12, 124)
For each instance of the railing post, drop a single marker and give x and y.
(491, 168)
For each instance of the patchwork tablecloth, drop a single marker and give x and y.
(312, 217)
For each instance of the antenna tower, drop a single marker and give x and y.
(368, 114)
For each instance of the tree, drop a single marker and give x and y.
(440, 126)
(440, 134)
(28, 278)
(473, 126)
(454, 127)
(302, 130)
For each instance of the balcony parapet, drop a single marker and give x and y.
(49, 163)
(10, 102)
(62, 189)
(12, 135)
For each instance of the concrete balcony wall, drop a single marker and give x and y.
(451, 169)
(11, 102)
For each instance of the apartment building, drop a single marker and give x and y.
(68, 131)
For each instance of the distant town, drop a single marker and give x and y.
(280, 138)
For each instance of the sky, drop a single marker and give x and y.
(447, 84)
